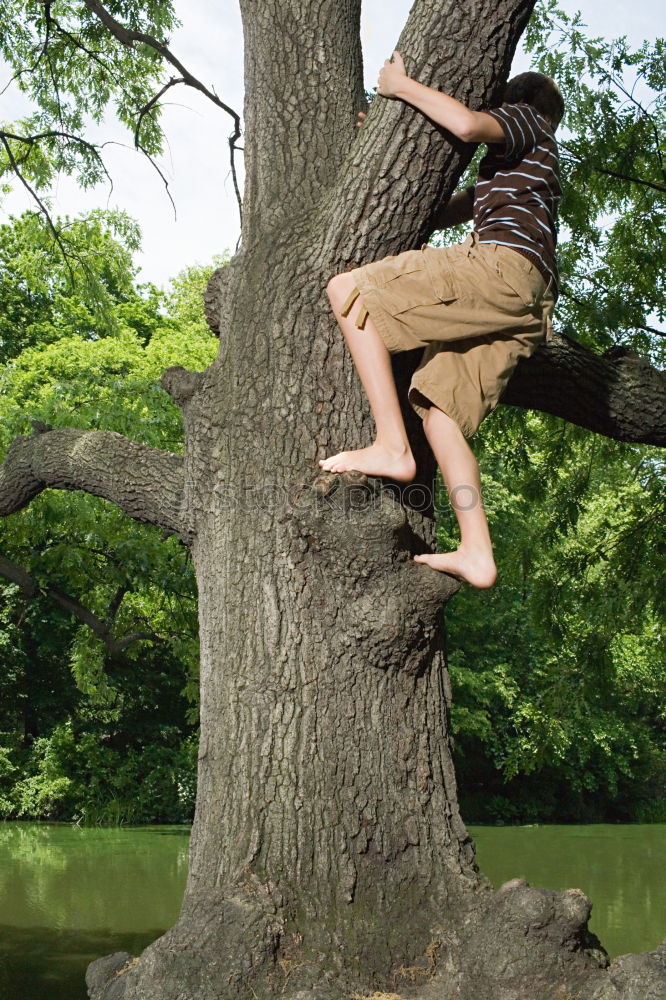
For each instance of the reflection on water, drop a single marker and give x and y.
(42, 963)
(620, 867)
(70, 894)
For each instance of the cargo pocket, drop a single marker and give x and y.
(407, 283)
(441, 274)
(522, 278)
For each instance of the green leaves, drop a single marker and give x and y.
(75, 72)
(558, 712)
(91, 294)
(81, 728)
(560, 708)
(73, 69)
(612, 232)
(80, 65)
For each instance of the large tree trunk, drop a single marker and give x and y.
(328, 855)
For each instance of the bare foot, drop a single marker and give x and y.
(377, 460)
(477, 568)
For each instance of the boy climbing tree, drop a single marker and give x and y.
(475, 308)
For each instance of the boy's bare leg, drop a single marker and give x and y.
(473, 560)
(390, 454)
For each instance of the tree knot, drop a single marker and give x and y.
(39, 427)
(180, 383)
(214, 298)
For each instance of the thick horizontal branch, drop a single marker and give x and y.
(144, 482)
(102, 627)
(617, 394)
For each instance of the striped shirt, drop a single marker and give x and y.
(518, 191)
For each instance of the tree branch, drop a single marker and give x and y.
(402, 165)
(144, 482)
(102, 628)
(31, 140)
(172, 82)
(572, 156)
(116, 601)
(619, 85)
(94, 56)
(598, 284)
(128, 37)
(617, 394)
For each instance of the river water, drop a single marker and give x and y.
(70, 894)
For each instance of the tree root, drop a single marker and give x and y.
(519, 943)
(223, 946)
(534, 944)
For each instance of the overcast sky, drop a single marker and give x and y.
(196, 162)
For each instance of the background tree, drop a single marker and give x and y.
(98, 636)
(328, 853)
(564, 723)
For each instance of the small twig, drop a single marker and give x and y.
(164, 180)
(54, 80)
(30, 69)
(568, 294)
(601, 550)
(573, 156)
(78, 44)
(151, 103)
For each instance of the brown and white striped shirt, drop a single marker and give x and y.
(518, 191)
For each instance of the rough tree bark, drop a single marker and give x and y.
(328, 855)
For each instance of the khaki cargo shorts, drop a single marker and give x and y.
(476, 308)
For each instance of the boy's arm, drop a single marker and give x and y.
(468, 125)
(460, 208)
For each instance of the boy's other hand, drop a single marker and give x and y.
(361, 119)
(391, 76)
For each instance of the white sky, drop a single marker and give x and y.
(197, 162)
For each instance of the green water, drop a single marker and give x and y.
(69, 895)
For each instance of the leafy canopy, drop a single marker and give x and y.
(85, 733)
(74, 71)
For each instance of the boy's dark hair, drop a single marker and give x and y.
(538, 90)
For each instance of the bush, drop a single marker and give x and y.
(86, 780)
